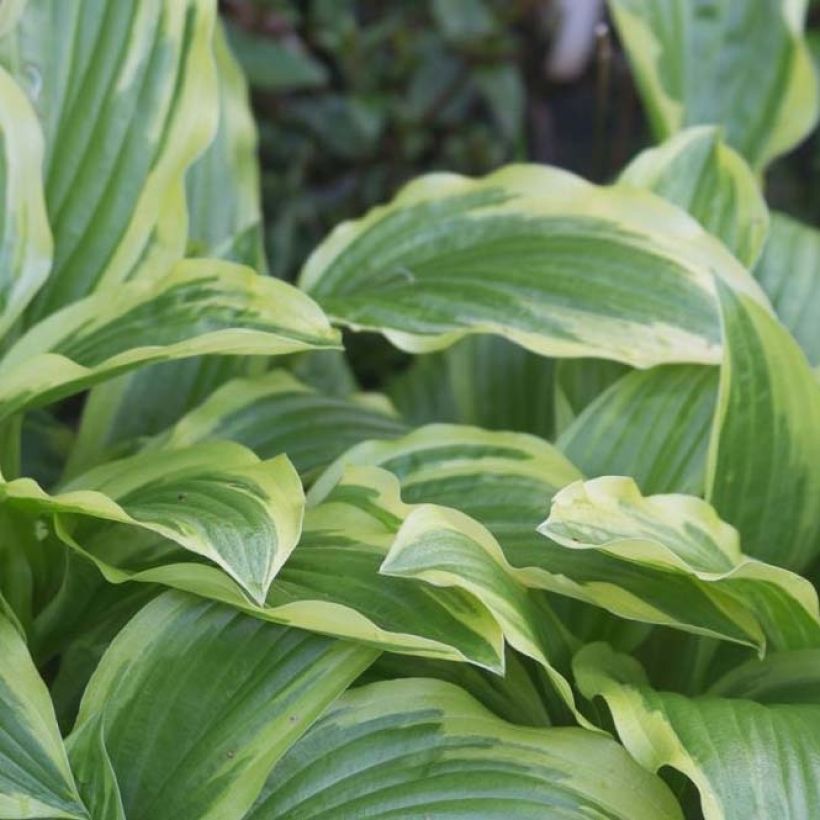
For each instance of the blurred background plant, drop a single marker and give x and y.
(353, 98)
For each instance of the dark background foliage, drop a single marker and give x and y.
(355, 97)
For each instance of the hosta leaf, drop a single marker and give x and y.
(217, 500)
(789, 272)
(346, 538)
(222, 186)
(537, 255)
(10, 12)
(194, 702)
(677, 551)
(764, 461)
(782, 677)
(702, 63)
(275, 413)
(652, 425)
(224, 220)
(746, 759)
(200, 307)
(482, 380)
(422, 748)
(25, 237)
(127, 98)
(578, 382)
(35, 778)
(517, 696)
(698, 172)
(446, 548)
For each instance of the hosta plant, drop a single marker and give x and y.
(563, 565)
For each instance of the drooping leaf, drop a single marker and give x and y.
(346, 538)
(200, 307)
(537, 255)
(764, 460)
(698, 172)
(275, 413)
(423, 748)
(127, 99)
(25, 236)
(216, 500)
(704, 63)
(789, 272)
(35, 778)
(674, 551)
(746, 759)
(194, 702)
(652, 425)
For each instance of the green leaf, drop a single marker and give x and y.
(446, 548)
(216, 500)
(274, 413)
(200, 307)
(783, 677)
(702, 64)
(272, 65)
(652, 425)
(746, 759)
(481, 380)
(10, 12)
(225, 220)
(423, 748)
(222, 186)
(698, 172)
(347, 537)
(504, 480)
(517, 697)
(35, 778)
(535, 254)
(25, 236)
(764, 460)
(127, 98)
(675, 555)
(462, 20)
(789, 272)
(194, 702)
(578, 382)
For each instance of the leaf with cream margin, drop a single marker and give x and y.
(535, 254)
(346, 538)
(703, 63)
(789, 272)
(216, 500)
(25, 236)
(698, 172)
(675, 546)
(224, 221)
(653, 425)
(424, 748)
(747, 759)
(193, 703)
(127, 98)
(35, 778)
(764, 457)
(200, 307)
(275, 413)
